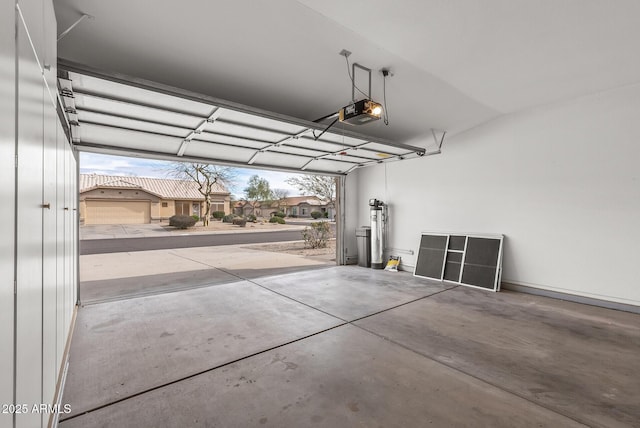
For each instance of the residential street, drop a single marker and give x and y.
(117, 245)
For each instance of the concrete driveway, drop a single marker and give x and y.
(225, 337)
(117, 276)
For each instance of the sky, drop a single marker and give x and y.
(138, 167)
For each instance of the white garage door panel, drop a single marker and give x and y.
(142, 125)
(118, 212)
(230, 140)
(101, 134)
(121, 91)
(261, 122)
(86, 103)
(224, 153)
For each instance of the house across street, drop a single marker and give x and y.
(116, 200)
(108, 199)
(293, 206)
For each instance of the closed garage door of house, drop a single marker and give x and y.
(118, 212)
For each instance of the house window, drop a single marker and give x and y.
(294, 211)
(217, 206)
(303, 211)
(182, 208)
(165, 204)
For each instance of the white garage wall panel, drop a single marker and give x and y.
(7, 209)
(30, 213)
(70, 239)
(61, 284)
(50, 364)
(49, 247)
(561, 182)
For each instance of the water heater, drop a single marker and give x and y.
(378, 219)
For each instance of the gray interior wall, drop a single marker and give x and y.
(561, 182)
(353, 217)
(38, 245)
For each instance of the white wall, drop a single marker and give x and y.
(561, 182)
(38, 246)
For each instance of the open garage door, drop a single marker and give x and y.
(118, 212)
(117, 114)
(122, 115)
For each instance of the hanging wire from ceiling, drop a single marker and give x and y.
(352, 78)
(385, 74)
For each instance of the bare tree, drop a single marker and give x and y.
(317, 185)
(206, 177)
(280, 195)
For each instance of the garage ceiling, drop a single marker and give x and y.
(146, 119)
(456, 64)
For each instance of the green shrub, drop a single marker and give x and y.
(182, 221)
(195, 217)
(280, 214)
(326, 214)
(317, 234)
(316, 214)
(293, 215)
(277, 219)
(252, 218)
(217, 215)
(229, 218)
(240, 222)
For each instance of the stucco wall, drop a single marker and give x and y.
(169, 210)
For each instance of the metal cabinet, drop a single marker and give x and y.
(38, 235)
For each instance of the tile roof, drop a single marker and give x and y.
(297, 200)
(165, 188)
(120, 183)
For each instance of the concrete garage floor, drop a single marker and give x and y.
(349, 346)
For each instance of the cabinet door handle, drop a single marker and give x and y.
(47, 205)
